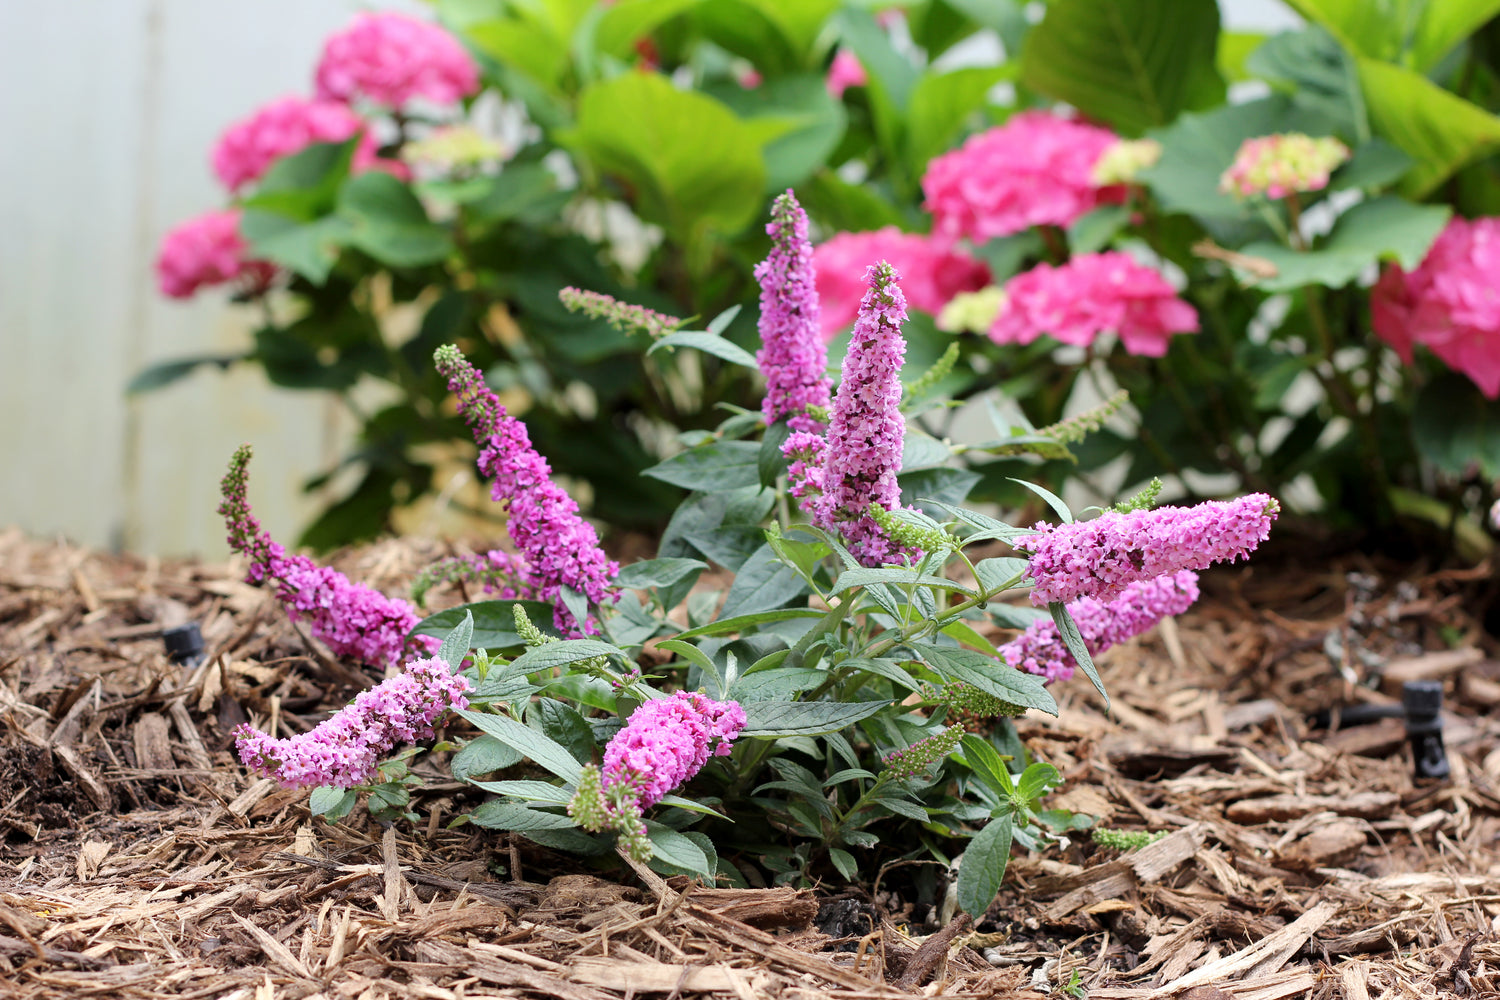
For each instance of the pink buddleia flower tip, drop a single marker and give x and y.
(1450, 303)
(557, 547)
(844, 72)
(1040, 648)
(392, 59)
(866, 431)
(1089, 295)
(1036, 169)
(1278, 165)
(249, 147)
(933, 273)
(208, 250)
(792, 354)
(345, 750)
(354, 621)
(666, 741)
(1102, 557)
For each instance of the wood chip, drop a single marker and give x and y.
(1262, 958)
(1364, 805)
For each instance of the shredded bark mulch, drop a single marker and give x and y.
(1301, 857)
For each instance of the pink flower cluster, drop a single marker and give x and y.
(1102, 557)
(392, 59)
(839, 477)
(668, 740)
(354, 621)
(1040, 649)
(792, 355)
(345, 750)
(1278, 165)
(247, 148)
(1089, 295)
(1449, 304)
(558, 548)
(1035, 170)
(844, 72)
(932, 272)
(207, 250)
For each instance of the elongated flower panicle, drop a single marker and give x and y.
(247, 148)
(623, 316)
(792, 354)
(1450, 303)
(497, 571)
(208, 250)
(1040, 649)
(1102, 557)
(933, 272)
(344, 750)
(866, 430)
(354, 621)
(666, 741)
(921, 755)
(559, 548)
(1091, 294)
(392, 59)
(971, 703)
(1278, 165)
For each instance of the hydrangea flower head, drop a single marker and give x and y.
(1102, 557)
(345, 750)
(453, 149)
(932, 272)
(354, 621)
(558, 547)
(666, 741)
(866, 430)
(1278, 165)
(1449, 304)
(247, 148)
(1037, 169)
(392, 59)
(1089, 295)
(972, 312)
(844, 72)
(792, 354)
(207, 250)
(1120, 163)
(1040, 649)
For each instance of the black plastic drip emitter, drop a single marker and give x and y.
(1423, 701)
(184, 644)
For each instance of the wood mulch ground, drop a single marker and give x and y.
(137, 860)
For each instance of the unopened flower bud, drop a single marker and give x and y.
(915, 759)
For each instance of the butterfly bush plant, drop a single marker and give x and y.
(836, 695)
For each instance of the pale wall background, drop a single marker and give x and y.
(109, 108)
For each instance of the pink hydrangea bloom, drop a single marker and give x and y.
(1040, 649)
(1449, 304)
(932, 273)
(559, 549)
(792, 355)
(247, 148)
(207, 250)
(1036, 169)
(1089, 295)
(354, 621)
(866, 430)
(668, 740)
(1100, 558)
(1277, 165)
(391, 59)
(844, 72)
(345, 750)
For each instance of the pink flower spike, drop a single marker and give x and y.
(932, 273)
(667, 741)
(1036, 169)
(208, 250)
(792, 354)
(1093, 294)
(1449, 304)
(1040, 649)
(557, 547)
(392, 59)
(1102, 557)
(345, 750)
